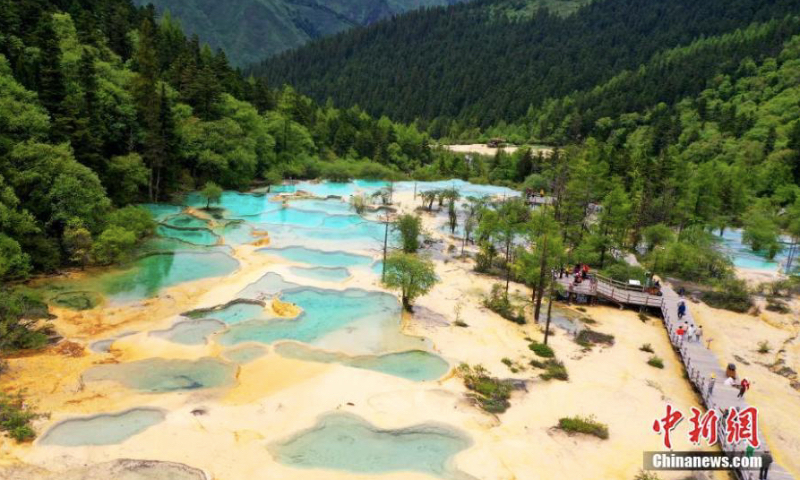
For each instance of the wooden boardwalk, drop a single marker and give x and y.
(699, 361)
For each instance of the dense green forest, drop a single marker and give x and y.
(251, 30)
(102, 106)
(661, 181)
(465, 63)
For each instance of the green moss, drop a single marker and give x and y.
(491, 393)
(542, 350)
(586, 425)
(15, 418)
(555, 370)
(656, 361)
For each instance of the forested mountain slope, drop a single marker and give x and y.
(251, 30)
(102, 107)
(465, 62)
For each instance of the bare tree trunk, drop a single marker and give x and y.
(549, 311)
(542, 273)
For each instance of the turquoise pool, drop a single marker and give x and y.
(319, 257)
(159, 375)
(341, 441)
(353, 321)
(105, 429)
(325, 274)
(416, 365)
(190, 332)
(236, 312)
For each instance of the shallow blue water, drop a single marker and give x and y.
(199, 236)
(743, 257)
(159, 375)
(267, 286)
(342, 441)
(148, 275)
(416, 365)
(232, 314)
(185, 221)
(244, 355)
(190, 332)
(326, 274)
(324, 312)
(105, 429)
(318, 257)
(161, 211)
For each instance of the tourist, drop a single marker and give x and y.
(681, 291)
(585, 271)
(699, 334)
(766, 462)
(743, 387)
(681, 309)
(731, 382)
(680, 331)
(690, 333)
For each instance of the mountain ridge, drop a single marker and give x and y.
(251, 30)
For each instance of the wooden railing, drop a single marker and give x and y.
(614, 290)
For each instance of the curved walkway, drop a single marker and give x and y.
(699, 361)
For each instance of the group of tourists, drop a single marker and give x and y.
(580, 272)
(689, 332)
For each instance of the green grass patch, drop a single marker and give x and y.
(542, 350)
(586, 425)
(646, 348)
(491, 393)
(554, 370)
(16, 418)
(730, 295)
(656, 361)
(588, 338)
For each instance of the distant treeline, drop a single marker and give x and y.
(463, 67)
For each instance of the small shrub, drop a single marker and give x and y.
(542, 350)
(646, 348)
(491, 393)
(581, 309)
(460, 323)
(643, 475)
(730, 295)
(538, 363)
(643, 317)
(451, 248)
(586, 425)
(555, 369)
(507, 362)
(588, 320)
(764, 347)
(359, 203)
(588, 338)
(15, 418)
(655, 361)
(778, 306)
(498, 302)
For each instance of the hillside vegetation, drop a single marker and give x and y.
(251, 30)
(465, 64)
(104, 107)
